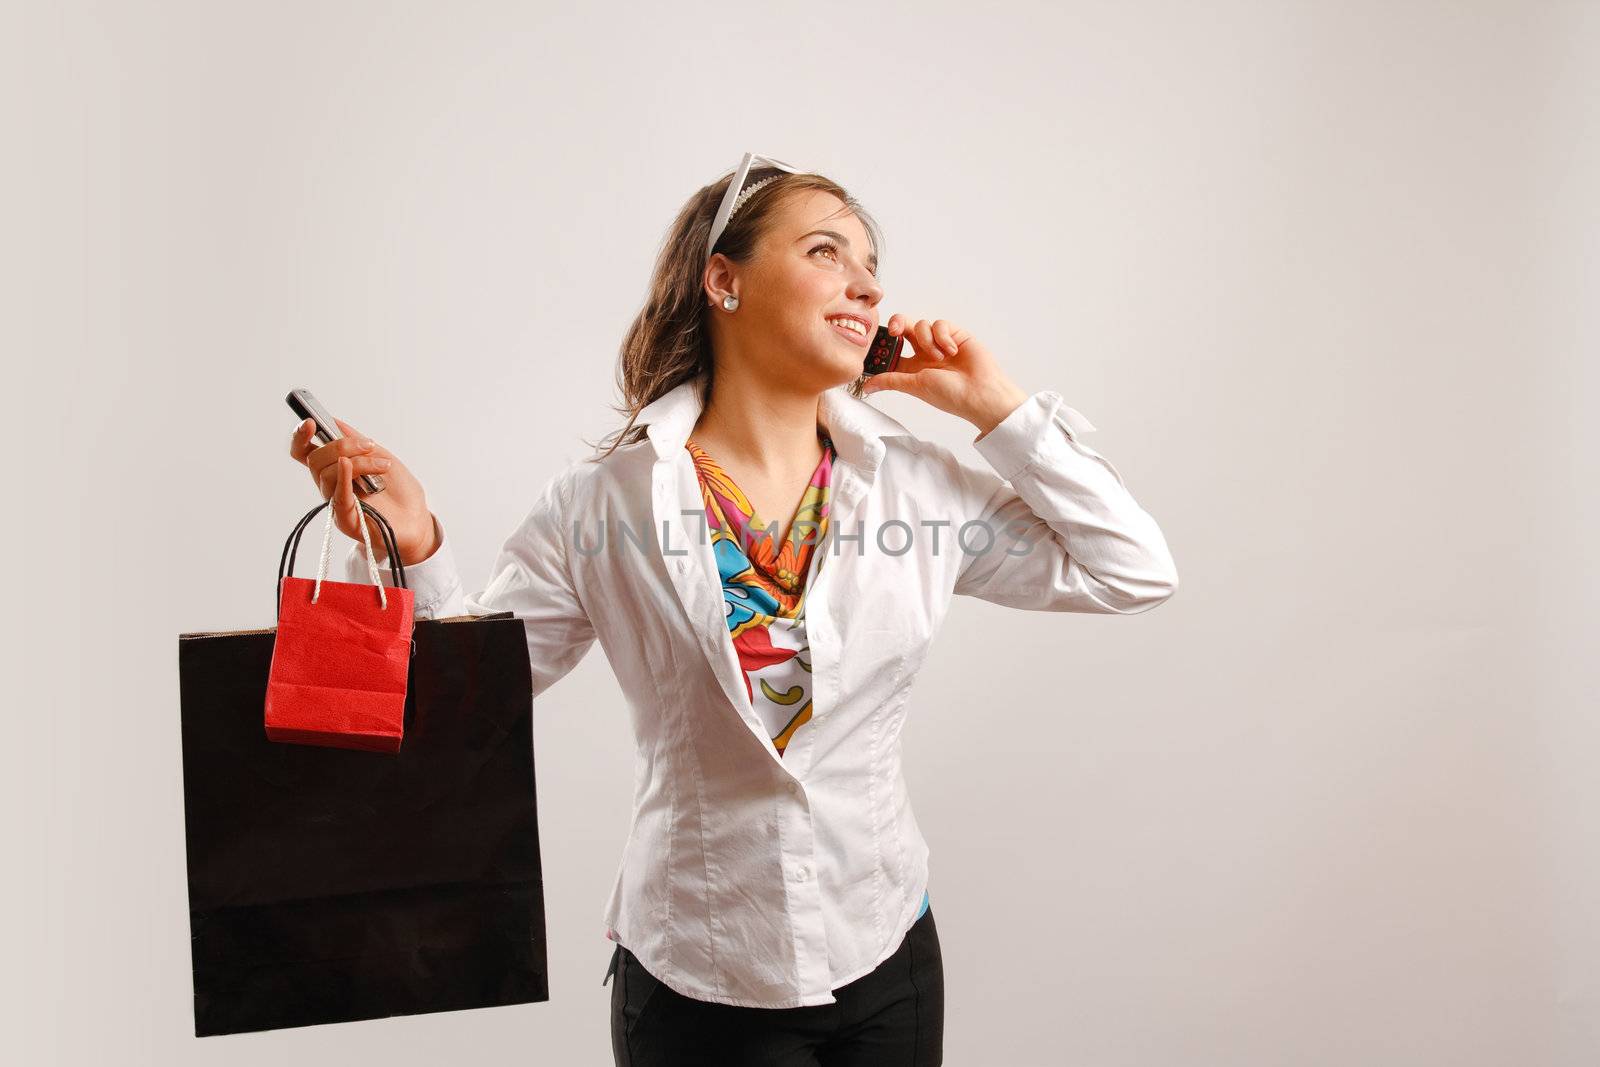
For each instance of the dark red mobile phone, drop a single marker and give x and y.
(884, 352)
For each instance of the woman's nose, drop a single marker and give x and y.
(867, 288)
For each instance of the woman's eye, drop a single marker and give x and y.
(829, 246)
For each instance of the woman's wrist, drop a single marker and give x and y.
(416, 549)
(992, 411)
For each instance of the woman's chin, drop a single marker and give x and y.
(834, 367)
(847, 363)
(819, 359)
(845, 374)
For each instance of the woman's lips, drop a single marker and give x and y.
(861, 340)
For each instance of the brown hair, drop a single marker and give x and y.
(669, 342)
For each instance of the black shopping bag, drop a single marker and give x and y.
(329, 885)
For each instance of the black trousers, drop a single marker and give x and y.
(891, 1017)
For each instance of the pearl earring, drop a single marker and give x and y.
(730, 302)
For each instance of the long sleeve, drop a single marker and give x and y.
(1067, 533)
(531, 577)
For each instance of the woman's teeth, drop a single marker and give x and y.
(850, 324)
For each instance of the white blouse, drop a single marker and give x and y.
(769, 882)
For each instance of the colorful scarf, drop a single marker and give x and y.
(763, 588)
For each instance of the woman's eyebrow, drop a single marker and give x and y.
(872, 260)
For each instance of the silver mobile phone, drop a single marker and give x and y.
(305, 405)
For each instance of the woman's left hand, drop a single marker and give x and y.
(952, 371)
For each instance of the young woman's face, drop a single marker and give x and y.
(814, 264)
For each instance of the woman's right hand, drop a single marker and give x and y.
(335, 465)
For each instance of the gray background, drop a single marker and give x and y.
(1315, 271)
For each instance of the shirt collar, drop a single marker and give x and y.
(856, 427)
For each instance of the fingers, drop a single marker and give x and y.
(936, 340)
(350, 516)
(920, 343)
(302, 441)
(303, 445)
(345, 508)
(905, 381)
(323, 457)
(926, 343)
(335, 464)
(359, 465)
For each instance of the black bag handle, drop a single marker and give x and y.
(291, 549)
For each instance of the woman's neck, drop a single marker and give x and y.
(765, 432)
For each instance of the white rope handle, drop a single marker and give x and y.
(327, 549)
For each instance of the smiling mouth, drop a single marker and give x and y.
(861, 340)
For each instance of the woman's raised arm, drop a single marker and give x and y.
(1067, 535)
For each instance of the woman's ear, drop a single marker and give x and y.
(721, 278)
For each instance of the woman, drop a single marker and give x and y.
(771, 906)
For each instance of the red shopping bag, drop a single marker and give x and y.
(342, 656)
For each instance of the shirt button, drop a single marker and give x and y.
(801, 872)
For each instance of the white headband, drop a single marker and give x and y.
(737, 195)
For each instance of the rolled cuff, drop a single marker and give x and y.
(1020, 439)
